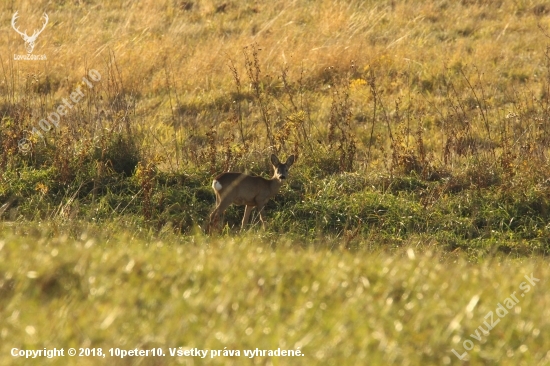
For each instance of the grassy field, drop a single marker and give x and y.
(419, 201)
(122, 290)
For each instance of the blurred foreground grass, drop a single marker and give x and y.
(111, 288)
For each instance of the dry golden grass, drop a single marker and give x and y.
(173, 55)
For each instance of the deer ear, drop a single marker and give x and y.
(289, 161)
(275, 160)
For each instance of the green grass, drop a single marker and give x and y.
(509, 215)
(107, 289)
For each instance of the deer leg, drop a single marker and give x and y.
(262, 215)
(214, 214)
(213, 220)
(219, 210)
(246, 217)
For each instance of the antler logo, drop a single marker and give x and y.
(29, 40)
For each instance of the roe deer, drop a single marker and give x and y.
(242, 189)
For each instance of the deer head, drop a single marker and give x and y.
(29, 40)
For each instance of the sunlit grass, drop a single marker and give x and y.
(117, 289)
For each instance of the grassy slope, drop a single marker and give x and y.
(332, 274)
(243, 292)
(438, 118)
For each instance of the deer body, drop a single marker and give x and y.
(242, 189)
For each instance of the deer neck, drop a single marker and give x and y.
(275, 184)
